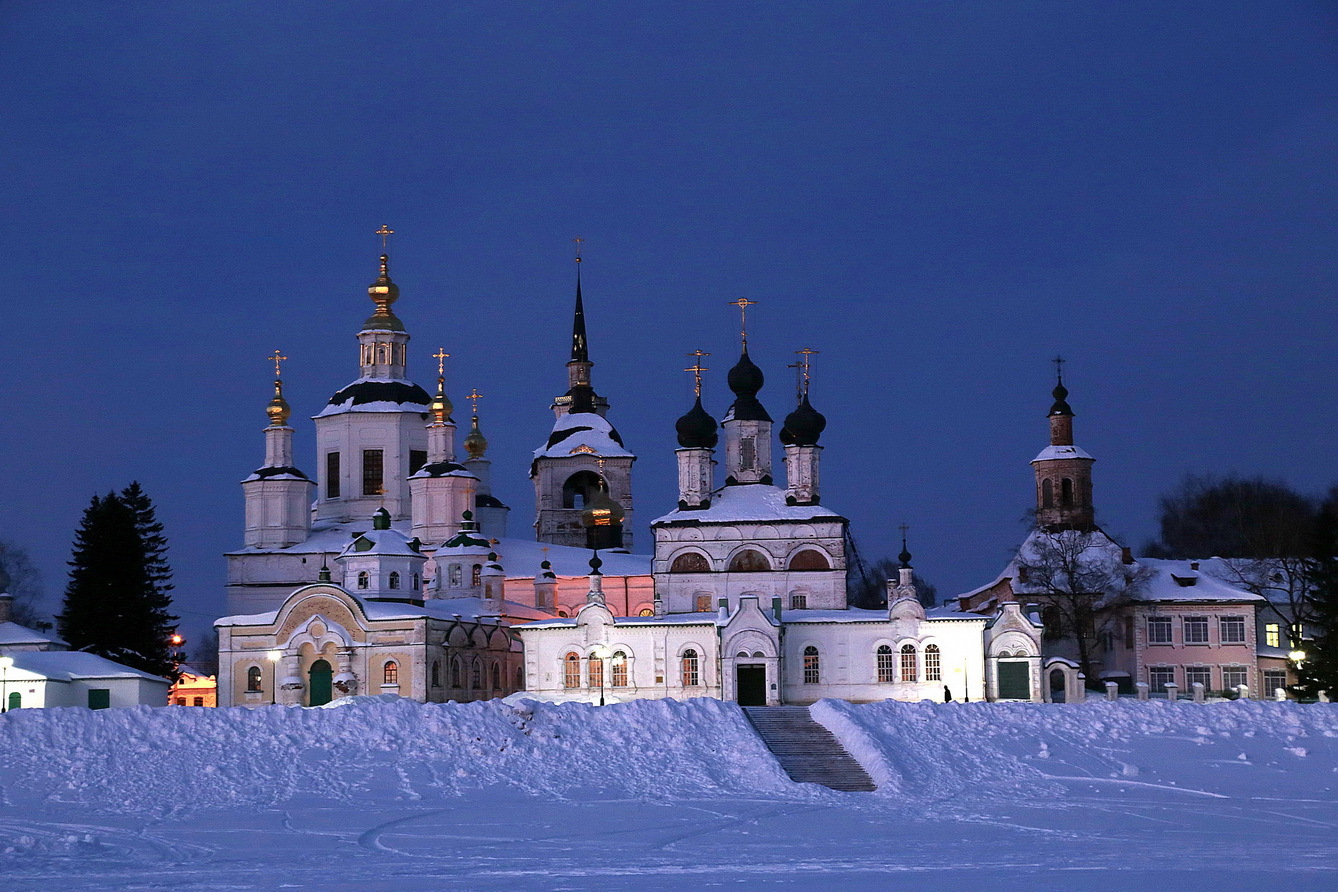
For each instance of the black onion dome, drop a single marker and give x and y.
(803, 426)
(905, 556)
(1061, 395)
(746, 379)
(697, 429)
(363, 392)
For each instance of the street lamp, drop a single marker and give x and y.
(602, 654)
(274, 657)
(5, 664)
(1296, 656)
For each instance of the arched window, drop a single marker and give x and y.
(749, 560)
(690, 562)
(391, 673)
(394, 579)
(798, 601)
(563, 613)
(812, 665)
(1047, 493)
(580, 488)
(476, 574)
(571, 671)
(380, 352)
(933, 664)
(475, 675)
(416, 582)
(908, 667)
(619, 669)
(691, 669)
(457, 673)
(496, 676)
(254, 679)
(1066, 493)
(886, 668)
(810, 559)
(520, 678)
(453, 575)
(436, 673)
(596, 671)
(363, 579)
(646, 611)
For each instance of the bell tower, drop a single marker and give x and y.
(1063, 470)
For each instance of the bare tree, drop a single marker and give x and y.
(1080, 579)
(23, 581)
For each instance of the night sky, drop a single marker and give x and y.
(939, 197)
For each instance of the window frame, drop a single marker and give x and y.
(886, 664)
(1199, 623)
(812, 665)
(1160, 622)
(1236, 624)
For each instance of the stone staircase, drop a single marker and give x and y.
(809, 753)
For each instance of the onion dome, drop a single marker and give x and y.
(803, 426)
(595, 564)
(383, 293)
(746, 379)
(475, 443)
(697, 429)
(602, 512)
(1061, 395)
(546, 571)
(278, 410)
(441, 407)
(905, 556)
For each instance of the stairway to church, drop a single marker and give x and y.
(809, 753)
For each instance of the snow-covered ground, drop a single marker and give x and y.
(668, 795)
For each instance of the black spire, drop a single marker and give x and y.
(1060, 393)
(579, 350)
(905, 556)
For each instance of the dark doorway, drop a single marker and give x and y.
(319, 687)
(751, 682)
(1014, 681)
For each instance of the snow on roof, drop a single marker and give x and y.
(758, 502)
(1053, 452)
(389, 542)
(13, 634)
(582, 432)
(378, 395)
(469, 609)
(708, 618)
(1171, 581)
(861, 615)
(72, 665)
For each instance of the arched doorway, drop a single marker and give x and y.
(319, 685)
(1058, 686)
(15, 699)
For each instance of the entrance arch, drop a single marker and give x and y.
(15, 699)
(319, 687)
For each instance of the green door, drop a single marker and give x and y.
(319, 687)
(15, 700)
(99, 698)
(1014, 681)
(751, 685)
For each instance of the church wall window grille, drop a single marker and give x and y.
(810, 559)
(457, 673)
(453, 574)
(373, 471)
(476, 675)
(812, 665)
(394, 579)
(747, 454)
(596, 672)
(690, 562)
(1066, 493)
(933, 663)
(390, 674)
(886, 666)
(691, 667)
(332, 475)
(703, 603)
(798, 601)
(1047, 493)
(254, 679)
(749, 560)
(909, 669)
(476, 574)
(496, 676)
(417, 458)
(571, 671)
(363, 579)
(436, 673)
(618, 669)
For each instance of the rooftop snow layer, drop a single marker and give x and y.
(470, 609)
(68, 665)
(14, 634)
(582, 432)
(378, 395)
(750, 502)
(1050, 453)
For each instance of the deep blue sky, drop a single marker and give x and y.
(938, 196)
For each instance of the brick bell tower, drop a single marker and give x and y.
(1063, 470)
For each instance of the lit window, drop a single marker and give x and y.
(1201, 674)
(595, 671)
(691, 669)
(619, 669)
(703, 603)
(908, 663)
(933, 664)
(1232, 629)
(476, 574)
(1195, 629)
(812, 665)
(253, 679)
(1273, 635)
(571, 671)
(391, 673)
(1159, 630)
(886, 667)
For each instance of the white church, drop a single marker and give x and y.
(744, 597)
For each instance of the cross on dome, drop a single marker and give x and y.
(697, 368)
(385, 232)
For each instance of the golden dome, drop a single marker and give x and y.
(383, 293)
(475, 443)
(441, 407)
(278, 410)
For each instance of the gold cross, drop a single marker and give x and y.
(578, 241)
(697, 368)
(276, 357)
(805, 353)
(441, 356)
(385, 232)
(743, 304)
(474, 397)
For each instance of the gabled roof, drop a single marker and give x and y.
(74, 665)
(14, 635)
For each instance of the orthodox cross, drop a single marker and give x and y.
(804, 354)
(276, 357)
(385, 232)
(474, 397)
(441, 356)
(743, 304)
(697, 368)
(1059, 367)
(904, 528)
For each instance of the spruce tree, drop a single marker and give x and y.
(1319, 671)
(116, 604)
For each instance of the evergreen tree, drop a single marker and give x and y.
(1319, 671)
(116, 602)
